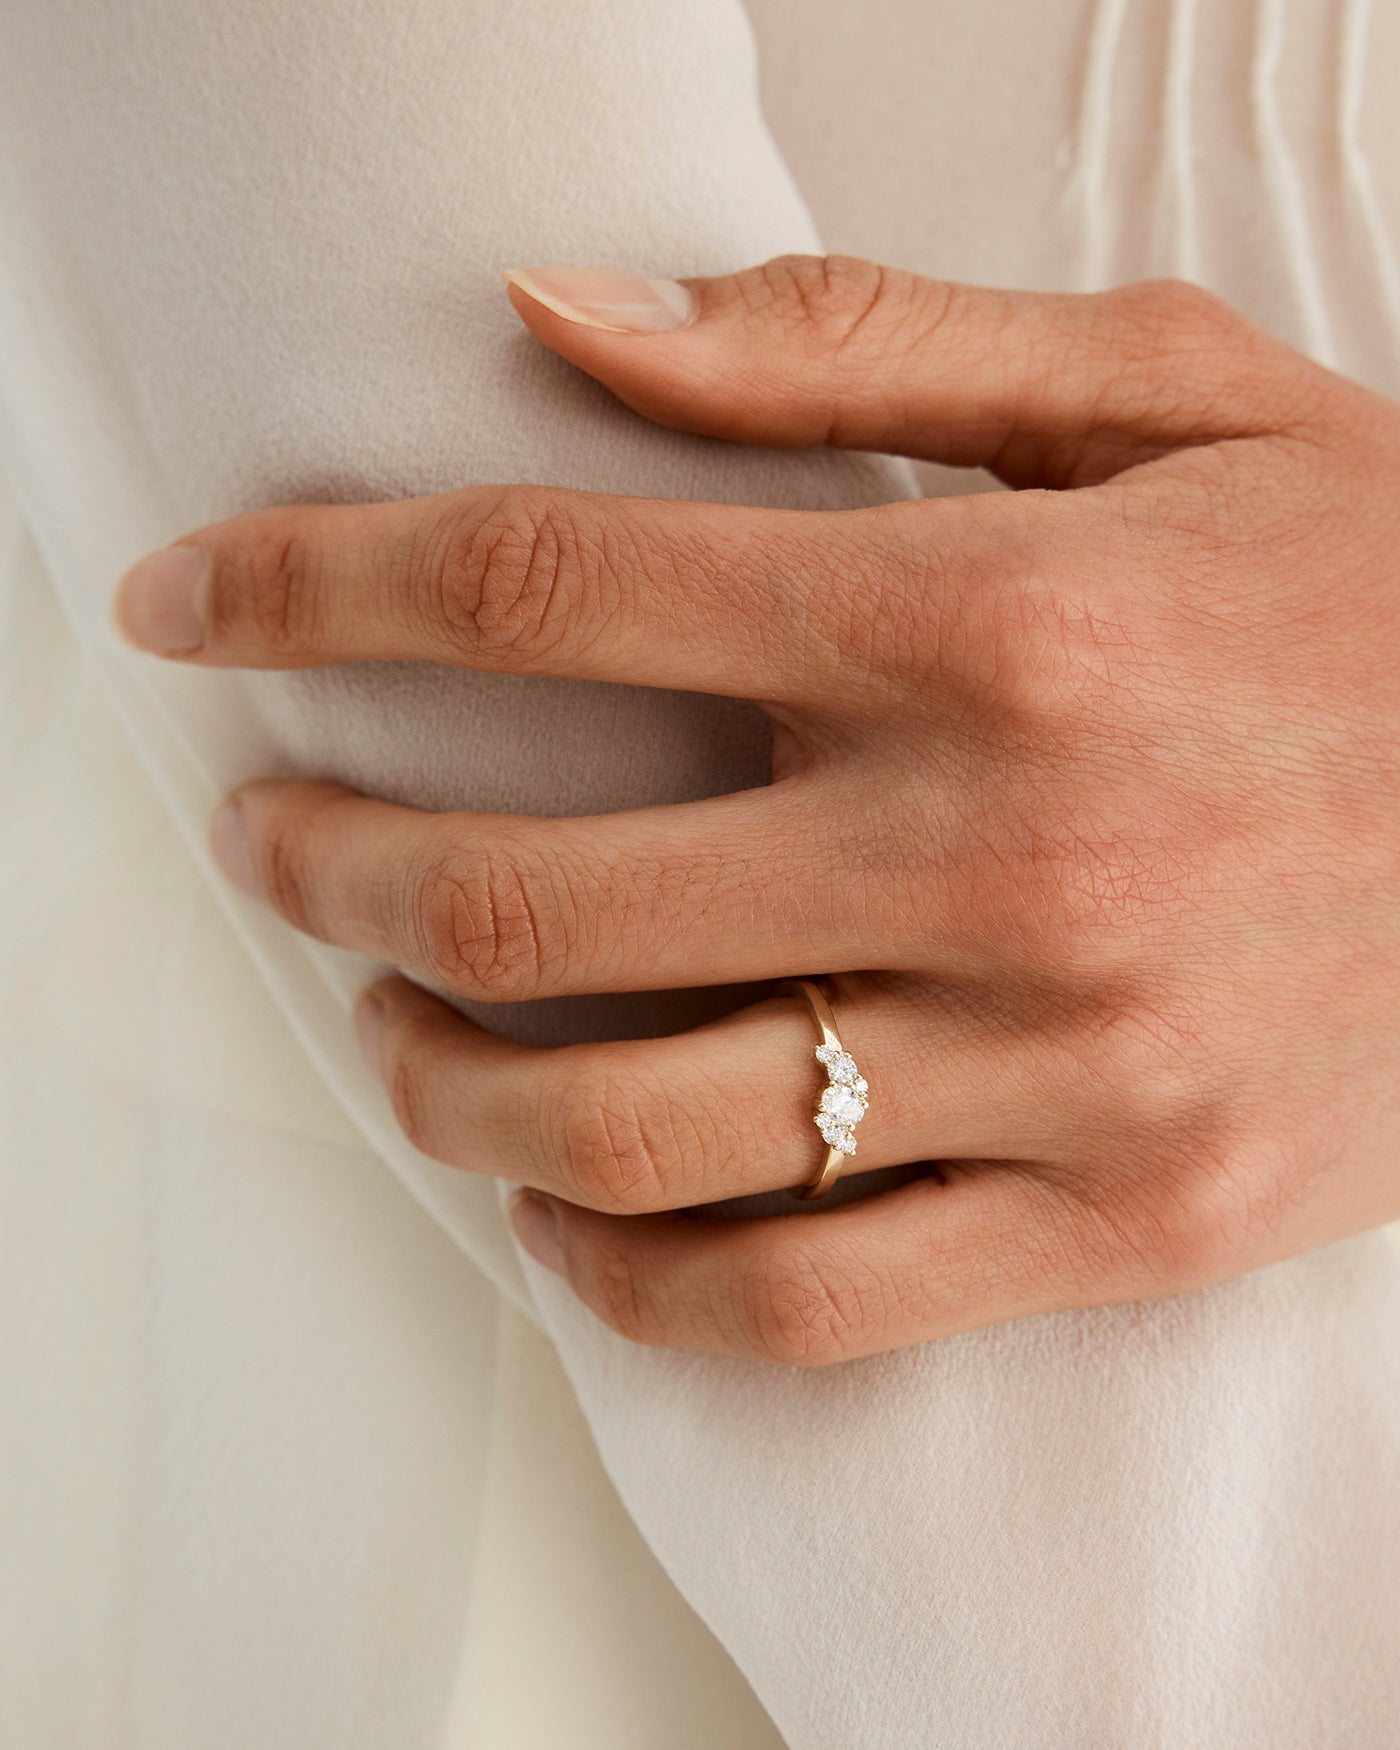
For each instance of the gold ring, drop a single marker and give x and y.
(843, 1103)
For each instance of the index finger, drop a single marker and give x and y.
(762, 604)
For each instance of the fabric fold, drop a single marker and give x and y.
(250, 255)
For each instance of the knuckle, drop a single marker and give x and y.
(1089, 898)
(508, 575)
(830, 298)
(267, 585)
(1031, 644)
(1195, 1227)
(1198, 1214)
(802, 1308)
(619, 1144)
(1170, 315)
(1225, 1201)
(1181, 349)
(487, 926)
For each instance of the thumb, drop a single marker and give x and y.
(1044, 389)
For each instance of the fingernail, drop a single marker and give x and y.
(233, 848)
(537, 1228)
(369, 1030)
(163, 600)
(596, 297)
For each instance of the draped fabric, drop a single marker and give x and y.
(297, 1450)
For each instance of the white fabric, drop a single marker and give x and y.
(281, 1466)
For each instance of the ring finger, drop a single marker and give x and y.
(636, 1126)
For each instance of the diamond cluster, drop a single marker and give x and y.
(843, 1102)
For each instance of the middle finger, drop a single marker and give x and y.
(509, 908)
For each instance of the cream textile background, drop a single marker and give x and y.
(239, 265)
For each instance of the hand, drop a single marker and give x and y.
(1089, 798)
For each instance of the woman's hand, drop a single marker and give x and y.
(1090, 799)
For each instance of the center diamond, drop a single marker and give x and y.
(842, 1104)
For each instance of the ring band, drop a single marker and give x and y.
(843, 1100)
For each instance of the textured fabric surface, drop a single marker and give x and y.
(278, 1465)
(288, 1459)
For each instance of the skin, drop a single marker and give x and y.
(1105, 772)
